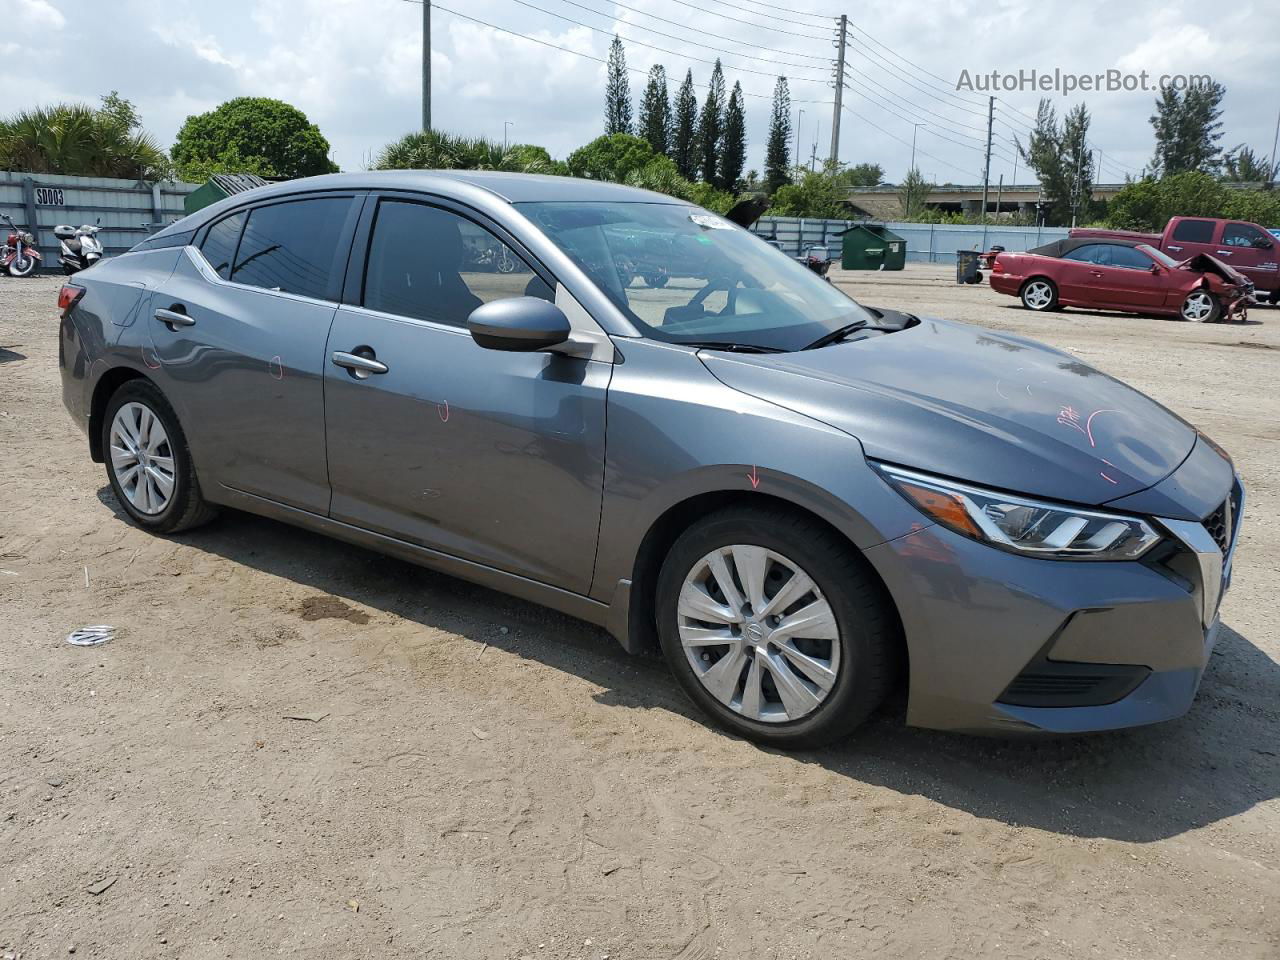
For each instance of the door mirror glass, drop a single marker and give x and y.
(1262, 243)
(519, 324)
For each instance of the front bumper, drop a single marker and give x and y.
(1008, 644)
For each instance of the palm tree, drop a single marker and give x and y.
(437, 150)
(77, 140)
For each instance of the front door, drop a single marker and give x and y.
(1124, 274)
(486, 455)
(1250, 251)
(238, 335)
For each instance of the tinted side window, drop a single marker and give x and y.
(1087, 254)
(1194, 231)
(220, 243)
(292, 246)
(431, 264)
(1241, 235)
(1130, 258)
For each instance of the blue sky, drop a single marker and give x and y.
(353, 67)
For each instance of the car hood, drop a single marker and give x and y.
(977, 405)
(1203, 263)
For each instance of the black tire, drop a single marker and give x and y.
(1030, 299)
(22, 266)
(186, 507)
(1196, 302)
(869, 636)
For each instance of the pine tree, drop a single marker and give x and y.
(733, 156)
(655, 111)
(1188, 127)
(617, 93)
(777, 152)
(711, 127)
(684, 136)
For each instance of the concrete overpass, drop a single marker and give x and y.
(883, 203)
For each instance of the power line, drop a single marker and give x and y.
(749, 23)
(907, 144)
(789, 13)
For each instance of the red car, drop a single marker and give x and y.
(1114, 274)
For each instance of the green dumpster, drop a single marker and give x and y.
(219, 187)
(869, 246)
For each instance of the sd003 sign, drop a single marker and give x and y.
(49, 197)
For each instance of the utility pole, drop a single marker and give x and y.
(839, 83)
(506, 125)
(999, 194)
(1275, 141)
(915, 128)
(986, 169)
(426, 65)
(795, 157)
(1013, 141)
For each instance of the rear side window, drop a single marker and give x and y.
(1194, 231)
(1086, 254)
(220, 243)
(431, 264)
(292, 246)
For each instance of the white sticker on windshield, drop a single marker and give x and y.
(710, 222)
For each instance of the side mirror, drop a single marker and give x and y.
(521, 324)
(1262, 243)
(1155, 268)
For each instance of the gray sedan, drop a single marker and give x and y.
(799, 500)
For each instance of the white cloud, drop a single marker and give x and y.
(39, 13)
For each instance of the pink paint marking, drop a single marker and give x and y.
(442, 410)
(1108, 462)
(1088, 425)
(752, 476)
(149, 365)
(1106, 478)
(274, 366)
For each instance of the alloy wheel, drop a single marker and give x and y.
(758, 633)
(142, 458)
(1197, 307)
(1038, 295)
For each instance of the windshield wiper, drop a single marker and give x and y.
(839, 333)
(728, 345)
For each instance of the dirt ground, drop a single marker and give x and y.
(297, 748)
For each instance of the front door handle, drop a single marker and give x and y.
(1095, 273)
(360, 366)
(174, 318)
(1223, 253)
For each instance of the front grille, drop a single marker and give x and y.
(1218, 525)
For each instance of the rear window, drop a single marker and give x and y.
(1194, 231)
(292, 247)
(220, 243)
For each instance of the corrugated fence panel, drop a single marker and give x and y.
(128, 209)
(926, 242)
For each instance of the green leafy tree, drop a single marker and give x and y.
(733, 155)
(1062, 161)
(76, 140)
(912, 194)
(777, 151)
(814, 194)
(655, 111)
(1188, 127)
(611, 157)
(684, 135)
(1148, 204)
(711, 128)
(1241, 165)
(437, 150)
(617, 91)
(251, 134)
(862, 175)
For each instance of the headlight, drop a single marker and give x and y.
(1021, 525)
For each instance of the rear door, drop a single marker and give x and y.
(1191, 236)
(491, 456)
(238, 336)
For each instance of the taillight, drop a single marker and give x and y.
(69, 296)
(997, 266)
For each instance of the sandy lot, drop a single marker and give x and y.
(478, 777)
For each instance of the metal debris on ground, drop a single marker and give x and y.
(102, 885)
(91, 636)
(309, 717)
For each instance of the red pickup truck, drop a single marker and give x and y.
(1245, 246)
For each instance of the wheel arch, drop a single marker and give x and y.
(110, 381)
(639, 633)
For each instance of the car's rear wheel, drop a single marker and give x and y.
(148, 462)
(1040, 294)
(774, 626)
(1200, 306)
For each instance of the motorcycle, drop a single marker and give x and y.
(18, 256)
(80, 247)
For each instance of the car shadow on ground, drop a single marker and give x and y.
(1138, 785)
(1121, 315)
(10, 356)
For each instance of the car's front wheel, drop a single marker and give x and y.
(148, 463)
(1201, 306)
(1040, 295)
(774, 626)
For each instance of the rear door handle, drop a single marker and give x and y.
(357, 364)
(174, 318)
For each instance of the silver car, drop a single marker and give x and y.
(801, 501)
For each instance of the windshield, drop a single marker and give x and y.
(1159, 256)
(684, 275)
